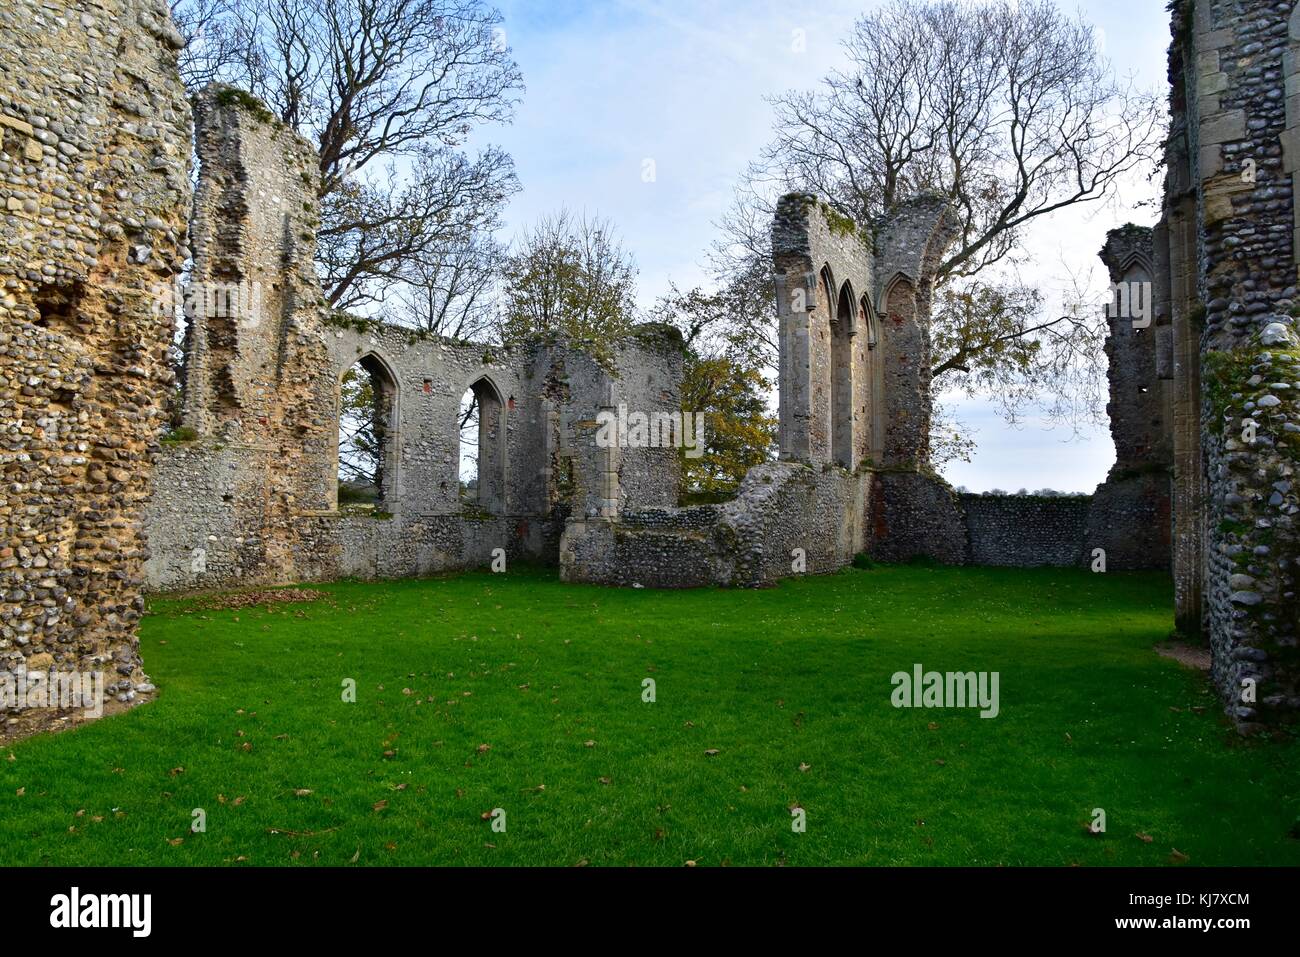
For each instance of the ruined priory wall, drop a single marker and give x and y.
(94, 155)
(831, 402)
(1131, 518)
(1241, 129)
(1026, 531)
(253, 498)
(787, 519)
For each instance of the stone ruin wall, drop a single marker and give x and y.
(1131, 517)
(95, 214)
(253, 498)
(853, 475)
(94, 157)
(1232, 224)
(854, 419)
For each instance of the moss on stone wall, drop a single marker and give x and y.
(232, 96)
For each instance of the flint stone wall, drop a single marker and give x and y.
(94, 156)
(749, 541)
(253, 500)
(1026, 531)
(1236, 122)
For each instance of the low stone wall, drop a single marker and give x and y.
(205, 532)
(785, 517)
(1026, 531)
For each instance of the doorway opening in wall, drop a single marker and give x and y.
(367, 415)
(481, 461)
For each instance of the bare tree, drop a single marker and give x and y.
(389, 92)
(1007, 109)
(452, 294)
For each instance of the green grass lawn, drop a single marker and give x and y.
(790, 685)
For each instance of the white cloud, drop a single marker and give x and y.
(683, 82)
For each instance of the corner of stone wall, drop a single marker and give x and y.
(915, 514)
(96, 146)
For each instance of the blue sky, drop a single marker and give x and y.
(683, 83)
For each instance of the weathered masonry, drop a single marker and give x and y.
(1227, 251)
(253, 498)
(854, 424)
(1203, 388)
(94, 151)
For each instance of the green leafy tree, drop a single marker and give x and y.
(569, 277)
(723, 379)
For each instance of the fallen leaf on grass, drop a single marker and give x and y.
(301, 792)
(379, 805)
(712, 753)
(1144, 838)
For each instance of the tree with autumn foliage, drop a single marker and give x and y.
(724, 380)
